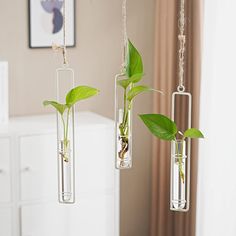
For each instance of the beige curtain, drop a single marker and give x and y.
(163, 221)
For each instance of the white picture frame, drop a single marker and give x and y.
(46, 23)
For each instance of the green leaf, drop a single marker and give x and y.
(136, 77)
(138, 90)
(193, 133)
(124, 83)
(59, 107)
(159, 125)
(79, 93)
(134, 64)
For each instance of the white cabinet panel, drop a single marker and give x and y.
(38, 167)
(95, 162)
(90, 216)
(93, 215)
(44, 220)
(5, 179)
(5, 221)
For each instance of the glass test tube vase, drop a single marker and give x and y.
(123, 128)
(65, 138)
(179, 192)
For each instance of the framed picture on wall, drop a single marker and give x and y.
(46, 23)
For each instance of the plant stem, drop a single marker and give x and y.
(65, 136)
(124, 113)
(180, 159)
(67, 123)
(124, 128)
(181, 162)
(64, 127)
(123, 125)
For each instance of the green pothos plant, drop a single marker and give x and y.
(64, 110)
(133, 72)
(166, 129)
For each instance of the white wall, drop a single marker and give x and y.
(217, 158)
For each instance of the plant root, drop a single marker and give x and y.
(125, 147)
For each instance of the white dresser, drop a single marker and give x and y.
(28, 179)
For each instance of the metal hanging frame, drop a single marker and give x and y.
(181, 92)
(189, 96)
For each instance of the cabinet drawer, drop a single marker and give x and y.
(5, 222)
(93, 215)
(5, 173)
(38, 167)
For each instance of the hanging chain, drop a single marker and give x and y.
(63, 48)
(182, 40)
(125, 35)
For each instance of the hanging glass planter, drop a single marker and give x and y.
(166, 129)
(123, 121)
(67, 97)
(127, 87)
(65, 138)
(180, 162)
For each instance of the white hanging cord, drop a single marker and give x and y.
(182, 40)
(65, 61)
(125, 35)
(63, 48)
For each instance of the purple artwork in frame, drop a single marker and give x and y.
(46, 23)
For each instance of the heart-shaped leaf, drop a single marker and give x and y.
(80, 93)
(160, 126)
(193, 133)
(136, 77)
(134, 64)
(124, 83)
(138, 90)
(59, 107)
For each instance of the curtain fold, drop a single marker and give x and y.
(163, 221)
